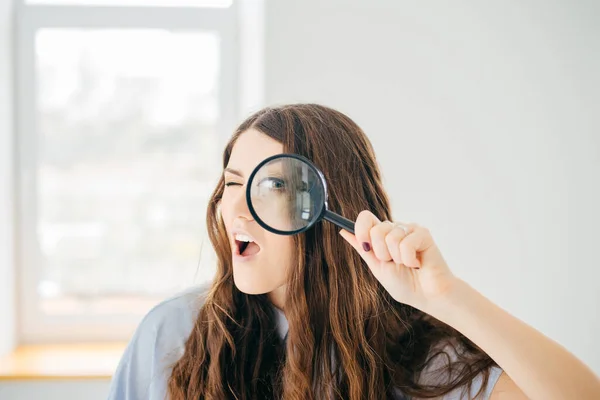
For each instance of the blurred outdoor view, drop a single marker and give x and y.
(161, 3)
(128, 156)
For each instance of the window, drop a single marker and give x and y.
(122, 116)
(164, 3)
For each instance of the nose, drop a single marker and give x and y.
(240, 206)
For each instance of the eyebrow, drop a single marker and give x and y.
(234, 172)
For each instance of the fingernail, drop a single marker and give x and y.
(366, 246)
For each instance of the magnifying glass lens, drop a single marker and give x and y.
(287, 194)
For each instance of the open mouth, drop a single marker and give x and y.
(246, 246)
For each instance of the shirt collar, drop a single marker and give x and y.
(282, 323)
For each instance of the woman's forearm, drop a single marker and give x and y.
(540, 367)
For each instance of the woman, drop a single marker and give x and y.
(323, 314)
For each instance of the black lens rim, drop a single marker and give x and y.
(249, 197)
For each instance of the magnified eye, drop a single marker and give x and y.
(272, 183)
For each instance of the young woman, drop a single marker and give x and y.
(329, 314)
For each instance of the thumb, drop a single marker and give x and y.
(368, 256)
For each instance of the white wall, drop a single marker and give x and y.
(482, 116)
(7, 282)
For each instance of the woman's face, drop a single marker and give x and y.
(261, 259)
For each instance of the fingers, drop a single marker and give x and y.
(393, 240)
(368, 256)
(418, 241)
(371, 234)
(370, 250)
(380, 237)
(387, 241)
(362, 228)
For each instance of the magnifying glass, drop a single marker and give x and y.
(287, 194)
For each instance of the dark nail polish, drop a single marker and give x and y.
(366, 246)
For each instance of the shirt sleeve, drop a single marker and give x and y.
(134, 374)
(436, 373)
(156, 345)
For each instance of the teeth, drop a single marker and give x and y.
(243, 238)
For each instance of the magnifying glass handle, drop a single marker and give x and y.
(340, 221)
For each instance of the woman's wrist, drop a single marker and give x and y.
(454, 301)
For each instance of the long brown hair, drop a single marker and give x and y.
(347, 338)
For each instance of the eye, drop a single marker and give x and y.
(271, 183)
(228, 184)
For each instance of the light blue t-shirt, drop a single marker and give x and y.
(159, 341)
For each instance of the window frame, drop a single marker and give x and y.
(240, 91)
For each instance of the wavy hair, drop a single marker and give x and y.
(347, 338)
